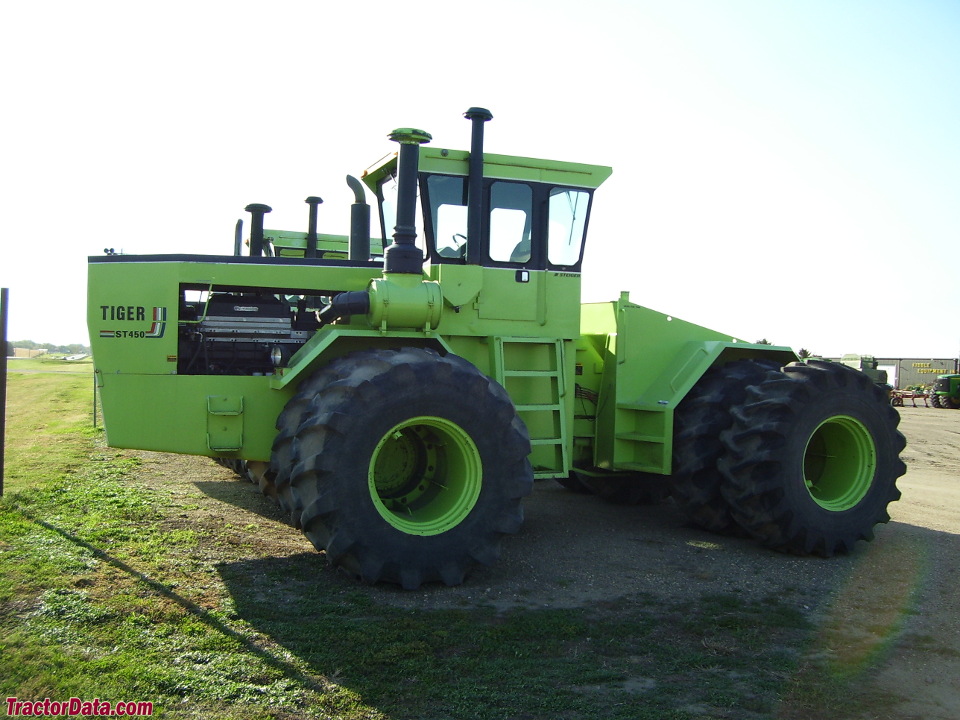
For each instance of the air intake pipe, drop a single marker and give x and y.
(475, 252)
(345, 304)
(403, 256)
(401, 299)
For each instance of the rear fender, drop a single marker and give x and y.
(635, 432)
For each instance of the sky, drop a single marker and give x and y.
(783, 170)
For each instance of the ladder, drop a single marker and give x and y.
(532, 371)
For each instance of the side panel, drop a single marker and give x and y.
(230, 416)
(485, 302)
(132, 319)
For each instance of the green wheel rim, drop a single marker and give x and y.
(425, 476)
(839, 463)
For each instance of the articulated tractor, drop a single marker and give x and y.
(398, 392)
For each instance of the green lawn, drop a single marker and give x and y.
(49, 363)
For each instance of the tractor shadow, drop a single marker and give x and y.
(240, 493)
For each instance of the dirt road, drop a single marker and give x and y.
(893, 602)
(923, 560)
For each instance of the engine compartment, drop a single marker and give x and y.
(242, 333)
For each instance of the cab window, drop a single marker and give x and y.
(448, 209)
(511, 222)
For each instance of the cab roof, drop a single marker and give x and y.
(500, 167)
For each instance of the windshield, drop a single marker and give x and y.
(568, 219)
(525, 224)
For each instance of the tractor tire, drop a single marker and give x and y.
(573, 483)
(935, 400)
(949, 403)
(252, 472)
(812, 459)
(634, 488)
(231, 464)
(409, 467)
(700, 418)
(282, 455)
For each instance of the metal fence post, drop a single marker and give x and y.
(4, 295)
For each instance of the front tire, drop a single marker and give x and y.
(812, 459)
(409, 467)
(282, 452)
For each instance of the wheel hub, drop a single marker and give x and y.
(839, 463)
(425, 475)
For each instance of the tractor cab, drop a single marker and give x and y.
(530, 214)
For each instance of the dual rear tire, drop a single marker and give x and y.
(696, 484)
(806, 460)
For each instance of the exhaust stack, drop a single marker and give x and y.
(359, 248)
(313, 202)
(477, 116)
(238, 238)
(257, 211)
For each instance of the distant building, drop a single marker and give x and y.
(27, 352)
(906, 372)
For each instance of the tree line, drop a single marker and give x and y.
(73, 349)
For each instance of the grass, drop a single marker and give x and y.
(105, 593)
(49, 363)
(49, 427)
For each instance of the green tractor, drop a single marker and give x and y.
(868, 365)
(399, 400)
(946, 392)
